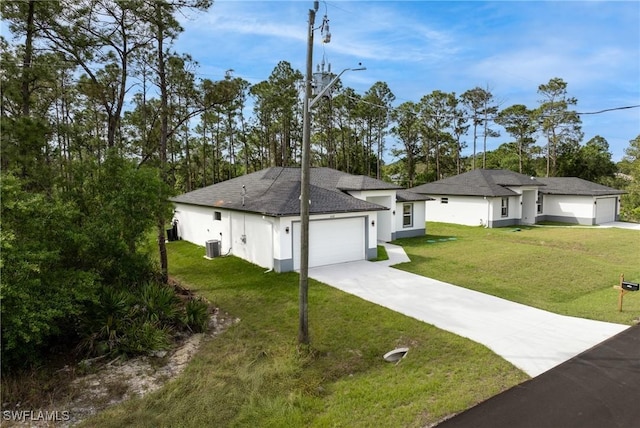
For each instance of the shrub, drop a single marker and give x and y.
(42, 291)
(144, 336)
(197, 315)
(159, 303)
(135, 321)
(108, 321)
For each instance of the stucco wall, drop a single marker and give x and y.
(474, 210)
(252, 238)
(197, 224)
(418, 228)
(572, 209)
(466, 210)
(514, 212)
(385, 222)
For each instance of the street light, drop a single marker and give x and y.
(303, 292)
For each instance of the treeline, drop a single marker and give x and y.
(84, 180)
(98, 76)
(102, 120)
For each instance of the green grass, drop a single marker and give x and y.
(254, 374)
(382, 254)
(564, 270)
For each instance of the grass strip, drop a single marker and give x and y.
(569, 271)
(254, 374)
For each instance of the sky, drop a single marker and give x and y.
(416, 47)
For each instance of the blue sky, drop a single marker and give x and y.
(510, 47)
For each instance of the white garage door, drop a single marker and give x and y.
(331, 241)
(605, 210)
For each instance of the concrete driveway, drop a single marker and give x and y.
(622, 225)
(531, 339)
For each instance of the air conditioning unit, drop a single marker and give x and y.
(213, 248)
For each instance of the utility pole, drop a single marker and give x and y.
(305, 197)
(303, 330)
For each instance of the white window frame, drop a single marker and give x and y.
(540, 203)
(504, 208)
(408, 215)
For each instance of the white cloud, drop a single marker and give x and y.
(417, 47)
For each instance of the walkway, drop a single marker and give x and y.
(622, 225)
(531, 339)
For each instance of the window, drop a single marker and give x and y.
(539, 203)
(505, 207)
(444, 200)
(217, 215)
(407, 215)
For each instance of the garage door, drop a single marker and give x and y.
(331, 241)
(605, 210)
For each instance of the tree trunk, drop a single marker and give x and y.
(26, 63)
(164, 129)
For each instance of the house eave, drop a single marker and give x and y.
(280, 214)
(593, 194)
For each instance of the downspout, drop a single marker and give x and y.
(272, 247)
(486, 226)
(230, 232)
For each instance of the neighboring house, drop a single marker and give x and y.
(257, 216)
(482, 197)
(574, 200)
(497, 198)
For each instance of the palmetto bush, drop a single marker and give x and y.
(134, 321)
(196, 315)
(145, 336)
(159, 303)
(108, 321)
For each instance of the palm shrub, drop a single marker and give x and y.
(196, 315)
(107, 321)
(159, 303)
(131, 321)
(143, 336)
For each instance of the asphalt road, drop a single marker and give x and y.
(599, 388)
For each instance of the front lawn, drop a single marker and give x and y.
(567, 270)
(253, 374)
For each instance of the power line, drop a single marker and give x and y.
(495, 116)
(609, 109)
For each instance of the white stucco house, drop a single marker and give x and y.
(574, 200)
(257, 216)
(497, 198)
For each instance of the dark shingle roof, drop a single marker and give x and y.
(363, 182)
(575, 186)
(276, 191)
(479, 182)
(409, 196)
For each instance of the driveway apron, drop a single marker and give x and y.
(531, 339)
